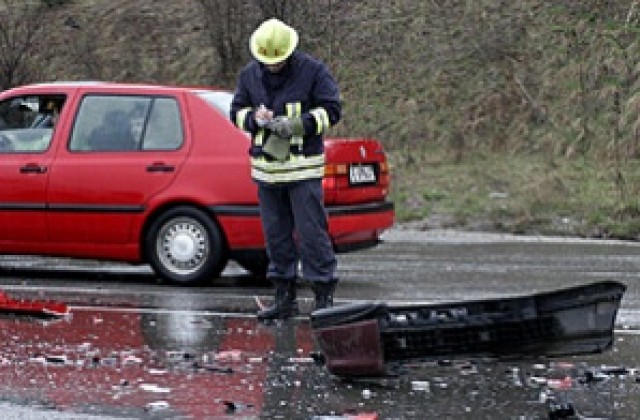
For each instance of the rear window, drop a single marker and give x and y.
(221, 101)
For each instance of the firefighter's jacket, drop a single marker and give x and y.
(303, 88)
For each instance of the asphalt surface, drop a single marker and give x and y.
(136, 348)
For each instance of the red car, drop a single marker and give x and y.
(157, 175)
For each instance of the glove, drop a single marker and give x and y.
(286, 127)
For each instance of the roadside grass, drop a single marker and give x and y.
(518, 193)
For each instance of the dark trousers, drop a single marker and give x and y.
(294, 222)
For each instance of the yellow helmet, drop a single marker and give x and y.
(273, 41)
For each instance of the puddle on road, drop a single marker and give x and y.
(180, 364)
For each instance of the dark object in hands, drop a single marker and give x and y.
(281, 126)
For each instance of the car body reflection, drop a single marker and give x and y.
(131, 362)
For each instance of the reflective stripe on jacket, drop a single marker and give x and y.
(303, 88)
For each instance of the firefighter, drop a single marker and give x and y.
(286, 99)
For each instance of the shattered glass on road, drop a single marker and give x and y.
(134, 348)
(128, 362)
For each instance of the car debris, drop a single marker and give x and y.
(155, 388)
(233, 407)
(561, 409)
(373, 338)
(357, 416)
(421, 386)
(211, 367)
(157, 406)
(34, 308)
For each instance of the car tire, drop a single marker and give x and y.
(185, 247)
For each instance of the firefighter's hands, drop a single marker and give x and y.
(282, 127)
(286, 127)
(263, 115)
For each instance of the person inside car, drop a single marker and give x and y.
(49, 115)
(113, 134)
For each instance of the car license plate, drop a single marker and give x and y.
(362, 174)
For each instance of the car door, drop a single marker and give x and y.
(26, 153)
(122, 150)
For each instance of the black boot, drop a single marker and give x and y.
(324, 293)
(284, 303)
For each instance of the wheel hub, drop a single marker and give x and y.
(182, 246)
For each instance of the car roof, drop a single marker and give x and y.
(102, 86)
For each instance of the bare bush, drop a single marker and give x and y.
(559, 77)
(21, 30)
(85, 41)
(227, 24)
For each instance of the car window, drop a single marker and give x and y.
(120, 123)
(27, 122)
(221, 101)
(106, 123)
(164, 127)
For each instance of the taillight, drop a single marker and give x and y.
(328, 183)
(335, 169)
(384, 178)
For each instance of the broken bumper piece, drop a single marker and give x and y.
(35, 308)
(366, 339)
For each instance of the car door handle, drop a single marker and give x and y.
(160, 167)
(33, 169)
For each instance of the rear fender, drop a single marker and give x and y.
(166, 207)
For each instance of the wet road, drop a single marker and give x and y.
(135, 348)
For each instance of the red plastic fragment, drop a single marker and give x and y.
(353, 349)
(363, 416)
(45, 308)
